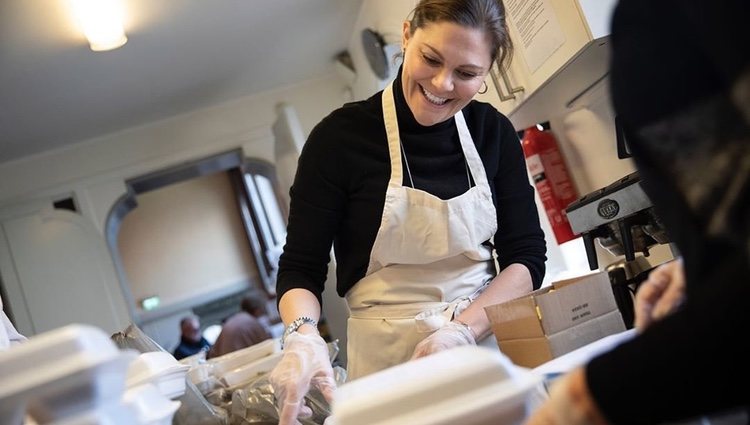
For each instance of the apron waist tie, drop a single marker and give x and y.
(393, 311)
(431, 319)
(429, 315)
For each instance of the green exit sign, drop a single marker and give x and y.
(150, 303)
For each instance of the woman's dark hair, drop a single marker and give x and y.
(487, 15)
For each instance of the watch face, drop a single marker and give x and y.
(374, 45)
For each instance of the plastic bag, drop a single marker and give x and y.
(256, 404)
(133, 337)
(253, 402)
(194, 408)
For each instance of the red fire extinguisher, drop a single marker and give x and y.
(551, 179)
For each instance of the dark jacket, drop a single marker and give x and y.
(681, 88)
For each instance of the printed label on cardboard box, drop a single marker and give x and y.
(532, 352)
(574, 304)
(552, 309)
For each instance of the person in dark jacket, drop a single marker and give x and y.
(191, 340)
(680, 81)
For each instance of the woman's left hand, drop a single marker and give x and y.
(450, 335)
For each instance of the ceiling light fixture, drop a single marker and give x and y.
(101, 22)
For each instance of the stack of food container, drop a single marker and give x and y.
(236, 368)
(76, 375)
(160, 369)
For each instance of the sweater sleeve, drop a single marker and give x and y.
(519, 238)
(682, 366)
(317, 201)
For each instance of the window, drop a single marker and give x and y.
(265, 217)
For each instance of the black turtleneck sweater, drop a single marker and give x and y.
(342, 175)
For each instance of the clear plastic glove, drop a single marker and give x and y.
(569, 403)
(660, 294)
(447, 336)
(304, 364)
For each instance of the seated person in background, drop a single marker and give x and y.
(9, 336)
(191, 339)
(247, 327)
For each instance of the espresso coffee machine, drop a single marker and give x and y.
(621, 217)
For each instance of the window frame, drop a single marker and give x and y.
(265, 245)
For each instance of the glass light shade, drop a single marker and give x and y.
(101, 23)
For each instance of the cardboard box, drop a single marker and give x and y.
(556, 319)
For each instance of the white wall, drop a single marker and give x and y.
(587, 140)
(94, 173)
(385, 17)
(56, 270)
(244, 122)
(185, 240)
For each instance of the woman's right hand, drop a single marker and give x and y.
(304, 364)
(660, 294)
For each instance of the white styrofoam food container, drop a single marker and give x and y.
(249, 371)
(200, 373)
(468, 385)
(238, 358)
(63, 372)
(150, 405)
(161, 369)
(152, 364)
(140, 405)
(171, 385)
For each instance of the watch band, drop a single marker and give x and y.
(296, 324)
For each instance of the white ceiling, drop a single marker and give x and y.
(180, 55)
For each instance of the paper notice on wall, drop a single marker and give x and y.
(536, 28)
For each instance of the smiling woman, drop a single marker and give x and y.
(410, 187)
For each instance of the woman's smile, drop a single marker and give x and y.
(433, 98)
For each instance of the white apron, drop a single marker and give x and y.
(427, 261)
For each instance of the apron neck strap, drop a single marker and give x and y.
(391, 131)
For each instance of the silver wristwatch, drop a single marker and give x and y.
(296, 324)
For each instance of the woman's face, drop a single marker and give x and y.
(444, 67)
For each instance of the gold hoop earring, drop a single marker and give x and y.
(483, 91)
